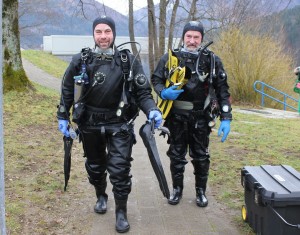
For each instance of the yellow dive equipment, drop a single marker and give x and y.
(176, 77)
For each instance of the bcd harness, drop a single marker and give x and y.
(80, 93)
(177, 76)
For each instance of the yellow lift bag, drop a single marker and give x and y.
(176, 77)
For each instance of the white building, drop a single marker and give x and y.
(72, 44)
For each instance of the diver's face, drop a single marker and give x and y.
(192, 40)
(103, 36)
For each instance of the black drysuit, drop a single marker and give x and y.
(107, 138)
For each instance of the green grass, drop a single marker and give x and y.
(47, 62)
(253, 141)
(33, 164)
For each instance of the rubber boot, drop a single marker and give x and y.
(201, 169)
(122, 225)
(177, 171)
(101, 204)
(201, 199)
(176, 195)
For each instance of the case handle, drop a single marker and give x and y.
(292, 225)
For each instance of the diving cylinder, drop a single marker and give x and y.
(78, 85)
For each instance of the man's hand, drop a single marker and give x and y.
(63, 127)
(225, 128)
(170, 93)
(156, 115)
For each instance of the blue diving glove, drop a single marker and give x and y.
(63, 127)
(170, 93)
(225, 128)
(156, 115)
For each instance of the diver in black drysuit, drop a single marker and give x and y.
(189, 121)
(110, 100)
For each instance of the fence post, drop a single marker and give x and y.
(262, 95)
(297, 72)
(299, 105)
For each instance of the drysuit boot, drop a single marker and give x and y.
(176, 195)
(201, 199)
(122, 225)
(201, 169)
(101, 204)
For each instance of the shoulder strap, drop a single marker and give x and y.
(85, 54)
(125, 63)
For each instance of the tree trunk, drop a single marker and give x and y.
(14, 77)
(193, 11)
(192, 15)
(162, 27)
(131, 30)
(172, 24)
(152, 48)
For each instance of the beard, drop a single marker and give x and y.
(192, 50)
(108, 51)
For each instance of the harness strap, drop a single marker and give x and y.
(125, 65)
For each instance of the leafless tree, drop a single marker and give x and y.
(222, 13)
(162, 26)
(131, 28)
(152, 35)
(172, 24)
(192, 14)
(219, 14)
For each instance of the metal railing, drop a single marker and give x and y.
(263, 95)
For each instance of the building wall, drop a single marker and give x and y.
(72, 44)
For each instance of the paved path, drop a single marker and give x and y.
(148, 211)
(269, 113)
(39, 76)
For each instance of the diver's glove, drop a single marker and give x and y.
(156, 115)
(63, 127)
(225, 128)
(170, 93)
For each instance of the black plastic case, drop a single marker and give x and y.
(272, 199)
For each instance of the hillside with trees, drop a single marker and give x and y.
(45, 17)
(71, 18)
(286, 25)
(66, 18)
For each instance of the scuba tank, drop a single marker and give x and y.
(79, 82)
(82, 79)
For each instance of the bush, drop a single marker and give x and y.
(248, 58)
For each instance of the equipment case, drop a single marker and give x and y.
(272, 199)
